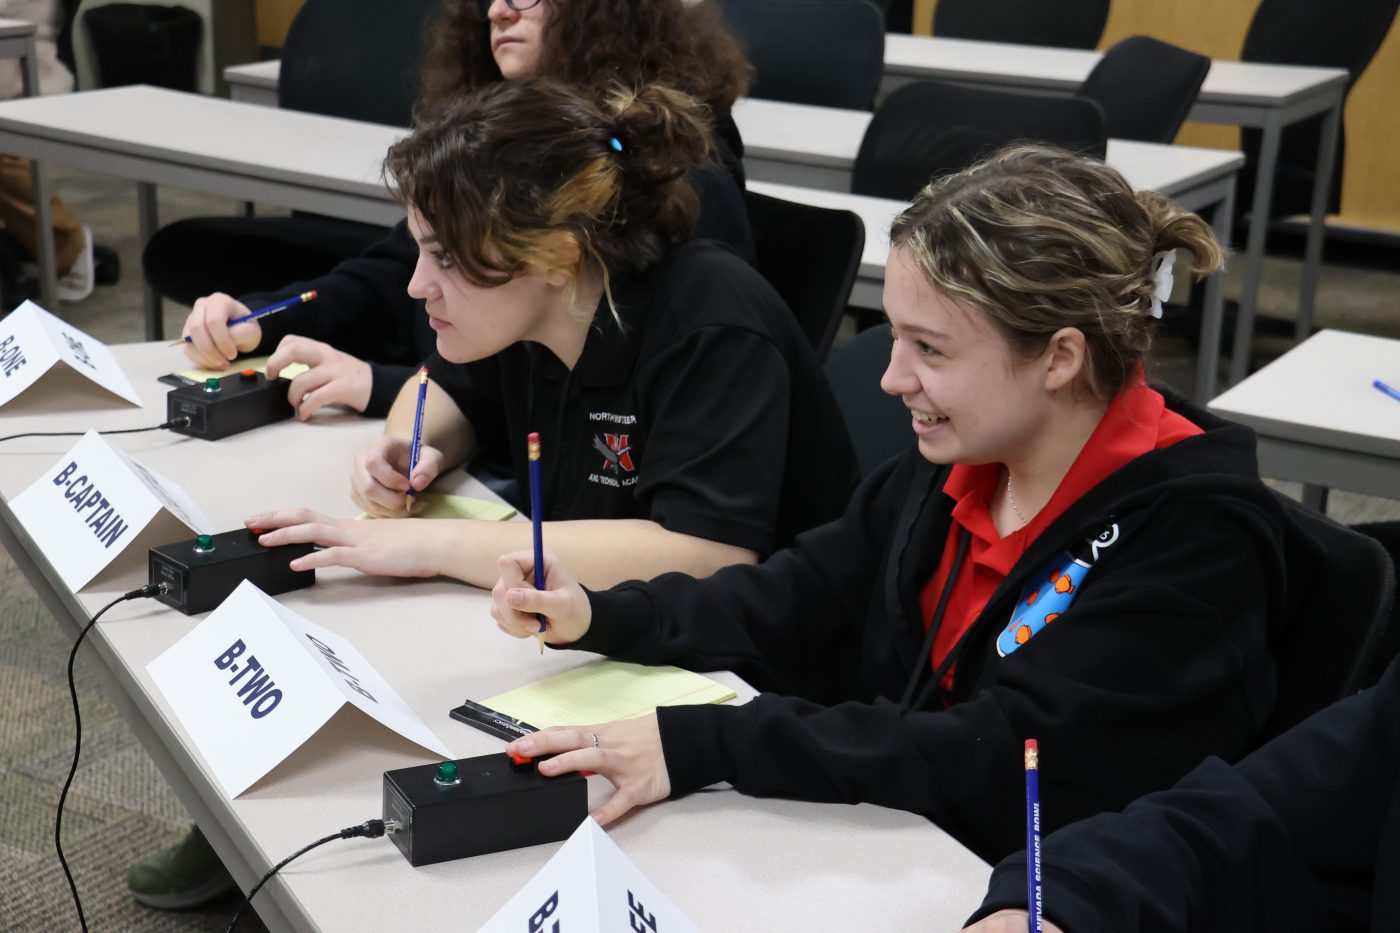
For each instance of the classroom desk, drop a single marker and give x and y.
(815, 147)
(1318, 418)
(1269, 97)
(808, 152)
(161, 137)
(729, 861)
(17, 41)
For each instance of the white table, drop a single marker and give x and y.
(816, 147)
(17, 41)
(1269, 97)
(161, 137)
(729, 861)
(1320, 421)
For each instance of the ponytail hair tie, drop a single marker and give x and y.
(615, 143)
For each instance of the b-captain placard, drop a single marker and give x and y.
(90, 505)
(255, 680)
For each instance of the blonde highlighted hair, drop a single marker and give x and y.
(1038, 239)
(535, 175)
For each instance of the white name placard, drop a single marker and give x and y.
(589, 886)
(255, 680)
(85, 509)
(33, 341)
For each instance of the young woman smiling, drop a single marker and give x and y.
(1066, 554)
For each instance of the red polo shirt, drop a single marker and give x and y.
(1136, 421)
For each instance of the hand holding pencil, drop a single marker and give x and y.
(517, 603)
(220, 327)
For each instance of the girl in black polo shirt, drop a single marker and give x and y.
(685, 422)
(364, 336)
(1066, 554)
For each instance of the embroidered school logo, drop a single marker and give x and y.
(616, 451)
(1051, 591)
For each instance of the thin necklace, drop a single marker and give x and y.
(1011, 497)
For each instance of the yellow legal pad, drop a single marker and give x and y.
(440, 505)
(237, 366)
(605, 690)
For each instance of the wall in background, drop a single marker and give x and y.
(274, 17)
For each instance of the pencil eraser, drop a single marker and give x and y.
(1031, 745)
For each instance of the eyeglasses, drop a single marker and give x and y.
(517, 5)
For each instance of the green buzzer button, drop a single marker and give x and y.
(212, 384)
(447, 773)
(203, 543)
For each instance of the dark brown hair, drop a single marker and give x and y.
(1037, 238)
(596, 44)
(534, 174)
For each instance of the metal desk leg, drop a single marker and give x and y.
(1315, 497)
(1222, 219)
(1312, 253)
(43, 206)
(1254, 249)
(146, 211)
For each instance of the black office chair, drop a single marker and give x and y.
(829, 53)
(1145, 88)
(1388, 646)
(928, 129)
(878, 423)
(1070, 24)
(1336, 34)
(1325, 651)
(356, 59)
(810, 255)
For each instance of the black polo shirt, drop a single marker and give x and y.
(705, 411)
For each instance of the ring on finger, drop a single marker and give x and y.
(594, 736)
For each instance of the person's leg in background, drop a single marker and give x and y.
(73, 246)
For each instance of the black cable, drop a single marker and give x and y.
(172, 423)
(148, 590)
(370, 829)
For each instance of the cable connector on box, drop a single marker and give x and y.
(370, 829)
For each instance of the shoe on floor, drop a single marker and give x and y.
(183, 876)
(76, 284)
(106, 264)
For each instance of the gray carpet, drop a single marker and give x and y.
(120, 808)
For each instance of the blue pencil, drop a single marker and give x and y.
(417, 433)
(270, 309)
(1388, 390)
(536, 521)
(1033, 897)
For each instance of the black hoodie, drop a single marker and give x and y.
(1161, 661)
(1300, 836)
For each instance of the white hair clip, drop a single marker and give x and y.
(1161, 280)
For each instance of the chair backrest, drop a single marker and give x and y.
(1324, 651)
(829, 53)
(810, 255)
(1070, 24)
(1145, 88)
(1334, 34)
(878, 423)
(357, 59)
(1388, 645)
(928, 129)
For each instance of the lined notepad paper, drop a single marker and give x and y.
(439, 505)
(605, 690)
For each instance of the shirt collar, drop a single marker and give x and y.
(1129, 428)
(611, 347)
